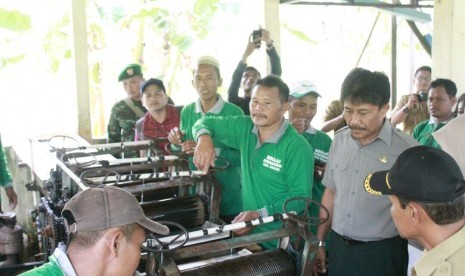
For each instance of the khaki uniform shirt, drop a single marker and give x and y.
(451, 140)
(445, 259)
(416, 115)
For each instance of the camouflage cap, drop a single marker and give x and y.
(129, 71)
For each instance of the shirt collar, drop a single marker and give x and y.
(274, 139)
(216, 109)
(385, 134)
(433, 120)
(63, 262)
(310, 130)
(439, 254)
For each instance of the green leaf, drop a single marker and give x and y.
(14, 21)
(11, 60)
(299, 34)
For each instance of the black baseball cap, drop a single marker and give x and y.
(422, 174)
(148, 82)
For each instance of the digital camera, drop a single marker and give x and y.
(256, 35)
(422, 96)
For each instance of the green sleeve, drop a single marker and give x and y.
(416, 131)
(225, 130)
(5, 176)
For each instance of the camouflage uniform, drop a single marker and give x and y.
(121, 127)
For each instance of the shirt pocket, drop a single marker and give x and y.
(339, 170)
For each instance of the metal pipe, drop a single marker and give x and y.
(129, 177)
(227, 227)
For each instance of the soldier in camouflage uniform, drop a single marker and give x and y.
(126, 112)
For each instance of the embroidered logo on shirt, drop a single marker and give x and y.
(321, 155)
(272, 163)
(383, 159)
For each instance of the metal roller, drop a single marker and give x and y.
(187, 211)
(268, 263)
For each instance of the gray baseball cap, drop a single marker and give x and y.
(96, 209)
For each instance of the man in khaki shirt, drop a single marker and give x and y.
(412, 108)
(427, 192)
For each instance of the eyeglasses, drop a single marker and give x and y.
(423, 79)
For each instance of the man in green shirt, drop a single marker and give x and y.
(207, 80)
(276, 162)
(441, 100)
(6, 181)
(303, 107)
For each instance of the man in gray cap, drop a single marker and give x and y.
(106, 228)
(427, 192)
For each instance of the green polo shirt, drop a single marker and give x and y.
(274, 171)
(320, 143)
(230, 179)
(423, 133)
(58, 265)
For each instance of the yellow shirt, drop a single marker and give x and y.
(416, 115)
(445, 259)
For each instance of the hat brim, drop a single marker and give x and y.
(153, 226)
(303, 94)
(377, 183)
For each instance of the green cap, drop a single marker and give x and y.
(130, 71)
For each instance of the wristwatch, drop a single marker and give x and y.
(321, 244)
(405, 109)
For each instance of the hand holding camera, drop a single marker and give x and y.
(422, 96)
(260, 35)
(414, 99)
(256, 37)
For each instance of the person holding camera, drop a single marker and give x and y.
(412, 108)
(247, 76)
(441, 100)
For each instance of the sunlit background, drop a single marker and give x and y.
(319, 43)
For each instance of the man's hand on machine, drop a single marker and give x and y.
(204, 153)
(245, 216)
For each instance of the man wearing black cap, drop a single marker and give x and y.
(427, 191)
(160, 118)
(126, 112)
(364, 239)
(106, 228)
